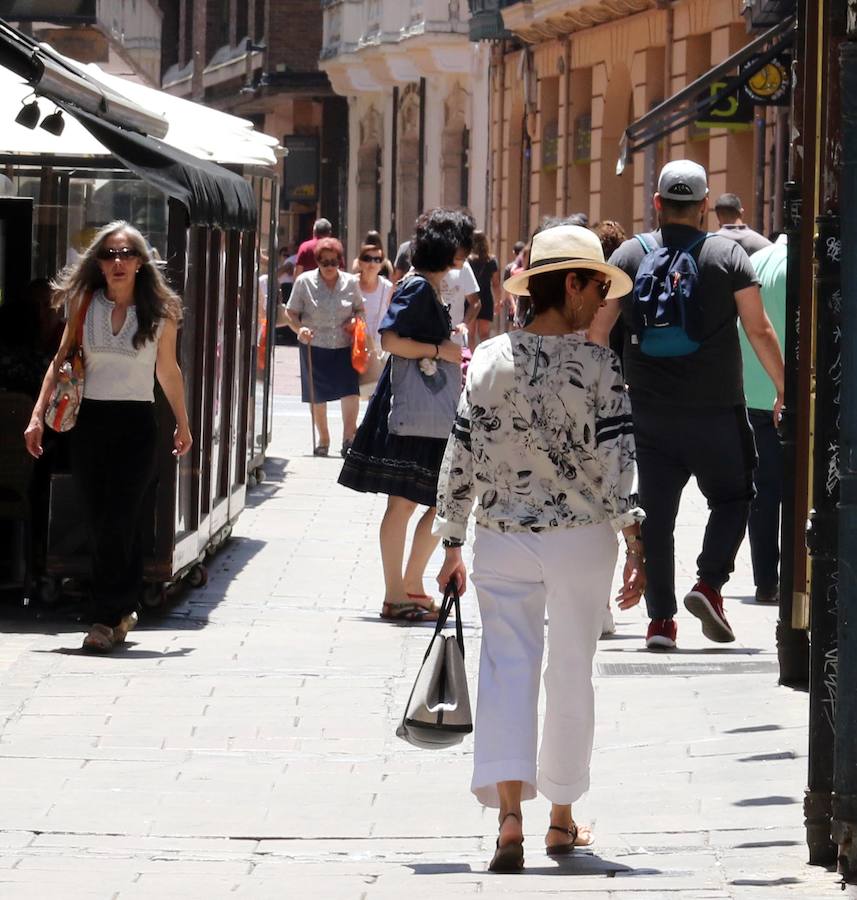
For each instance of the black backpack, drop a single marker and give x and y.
(666, 312)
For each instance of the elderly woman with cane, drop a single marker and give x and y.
(542, 442)
(320, 308)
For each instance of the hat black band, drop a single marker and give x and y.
(562, 259)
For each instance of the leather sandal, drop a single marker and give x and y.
(103, 638)
(510, 857)
(406, 612)
(566, 848)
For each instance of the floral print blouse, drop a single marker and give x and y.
(542, 439)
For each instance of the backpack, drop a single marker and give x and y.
(667, 316)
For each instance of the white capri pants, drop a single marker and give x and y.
(569, 570)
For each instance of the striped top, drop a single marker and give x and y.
(542, 439)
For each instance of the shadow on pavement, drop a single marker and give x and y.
(576, 864)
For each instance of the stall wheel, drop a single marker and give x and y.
(197, 577)
(154, 595)
(259, 474)
(48, 590)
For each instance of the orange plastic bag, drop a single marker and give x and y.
(359, 345)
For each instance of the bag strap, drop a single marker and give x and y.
(81, 319)
(451, 601)
(642, 241)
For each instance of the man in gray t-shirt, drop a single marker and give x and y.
(730, 215)
(689, 414)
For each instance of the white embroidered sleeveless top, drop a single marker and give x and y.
(115, 368)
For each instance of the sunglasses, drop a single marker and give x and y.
(371, 259)
(123, 253)
(603, 287)
(327, 263)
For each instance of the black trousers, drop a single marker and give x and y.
(113, 464)
(716, 447)
(764, 525)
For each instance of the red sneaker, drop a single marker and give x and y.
(707, 605)
(661, 634)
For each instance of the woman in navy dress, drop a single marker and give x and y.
(417, 326)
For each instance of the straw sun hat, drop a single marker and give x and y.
(568, 247)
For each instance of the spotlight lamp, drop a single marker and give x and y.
(29, 115)
(54, 123)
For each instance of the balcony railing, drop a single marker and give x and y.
(486, 21)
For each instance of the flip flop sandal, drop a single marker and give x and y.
(321, 450)
(510, 857)
(565, 849)
(432, 607)
(407, 613)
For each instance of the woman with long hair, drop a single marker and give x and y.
(543, 443)
(130, 324)
(487, 271)
(403, 461)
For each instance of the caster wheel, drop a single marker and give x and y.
(198, 576)
(251, 480)
(259, 474)
(154, 595)
(48, 590)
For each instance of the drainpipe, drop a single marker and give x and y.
(421, 159)
(844, 824)
(393, 235)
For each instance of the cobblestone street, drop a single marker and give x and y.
(242, 744)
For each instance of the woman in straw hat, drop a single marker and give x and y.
(542, 442)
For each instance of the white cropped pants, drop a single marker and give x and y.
(518, 575)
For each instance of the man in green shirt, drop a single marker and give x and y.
(759, 390)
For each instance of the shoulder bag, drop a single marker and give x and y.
(64, 405)
(438, 711)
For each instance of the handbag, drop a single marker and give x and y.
(423, 404)
(359, 345)
(64, 404)
(438, 714)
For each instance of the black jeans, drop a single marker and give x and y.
(764, 524)
(714, 445)
(113, 464)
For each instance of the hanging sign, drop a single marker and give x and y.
(734, 110)
(771, 85)
(300, 184)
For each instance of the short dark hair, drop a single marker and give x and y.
(679, 208)
(547, 289)
(732, 202)
(439, 234)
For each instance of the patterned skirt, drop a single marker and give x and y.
(383, 463)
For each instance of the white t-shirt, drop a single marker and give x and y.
(454, 288)
(376, 304)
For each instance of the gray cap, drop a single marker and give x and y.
(684, 181)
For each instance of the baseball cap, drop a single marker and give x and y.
(684, 181)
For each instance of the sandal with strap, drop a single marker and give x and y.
(510, 857)
(432, 606)
(406, 612)
(566, 848)
(103, 638)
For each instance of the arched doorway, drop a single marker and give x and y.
(617, 193)
(409, 162)
(369, 173)
(454, 149)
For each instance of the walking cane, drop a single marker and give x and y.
(311, 391)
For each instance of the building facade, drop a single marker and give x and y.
(259, 59)
(568, 77)
(417, 92)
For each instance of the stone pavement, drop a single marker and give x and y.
(243, 746)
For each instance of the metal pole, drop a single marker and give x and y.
(821, 542)
(393, 236)
(844, 825)
(421, 158)
(311, 387)
(759, 174)
(792, 643)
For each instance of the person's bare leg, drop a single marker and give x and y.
(511, 828)
(394, 527)
(561, 818)
(423, 546)
(350, 411)
(320, 412)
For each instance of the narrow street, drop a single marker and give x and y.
(242, 744)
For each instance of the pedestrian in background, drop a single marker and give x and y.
(543, 443)
(376, 292)
(306, 259)
(689, 412)
(129, 340)
(405, 467)
(763, 527)
(487, 273)
(459, 291)
(322, 303)
(730, 215)
(612, 236)
(373, 238)
(509, 308)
